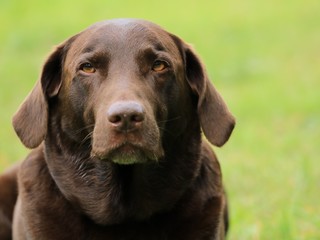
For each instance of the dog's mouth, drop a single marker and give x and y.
(139, 145)
(128, 153)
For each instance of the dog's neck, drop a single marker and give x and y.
(109, 193)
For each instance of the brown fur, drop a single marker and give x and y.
(118, 151)
(8, 196)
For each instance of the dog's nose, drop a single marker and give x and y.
(126, 116)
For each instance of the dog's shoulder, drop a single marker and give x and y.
(211, 166)
(34, 178)
(34, 165)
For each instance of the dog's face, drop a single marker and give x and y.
(120, 84)
(121, 79)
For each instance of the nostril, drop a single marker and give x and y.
(137, 117)
(115, 119)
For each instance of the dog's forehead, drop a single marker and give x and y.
(126, 23)
(123, 33)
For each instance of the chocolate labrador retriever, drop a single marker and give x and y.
(115, 126)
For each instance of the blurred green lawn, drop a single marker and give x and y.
(263, 56)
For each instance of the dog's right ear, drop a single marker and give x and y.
(31, 120)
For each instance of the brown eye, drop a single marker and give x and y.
(159, 66)
(87, 68)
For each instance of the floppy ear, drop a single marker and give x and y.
(216, 121)
(31, 119)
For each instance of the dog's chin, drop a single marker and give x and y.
(128, 155)
(128, 159)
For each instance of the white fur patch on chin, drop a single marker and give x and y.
(128, 159)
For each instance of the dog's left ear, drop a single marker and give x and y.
(215, 118)
(31, 120)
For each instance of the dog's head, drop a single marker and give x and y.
(118, 84)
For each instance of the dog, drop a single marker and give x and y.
(115, 126)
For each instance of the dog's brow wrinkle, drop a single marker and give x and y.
(88, 49)
(159, 47)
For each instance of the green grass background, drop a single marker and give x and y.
(263, 56)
